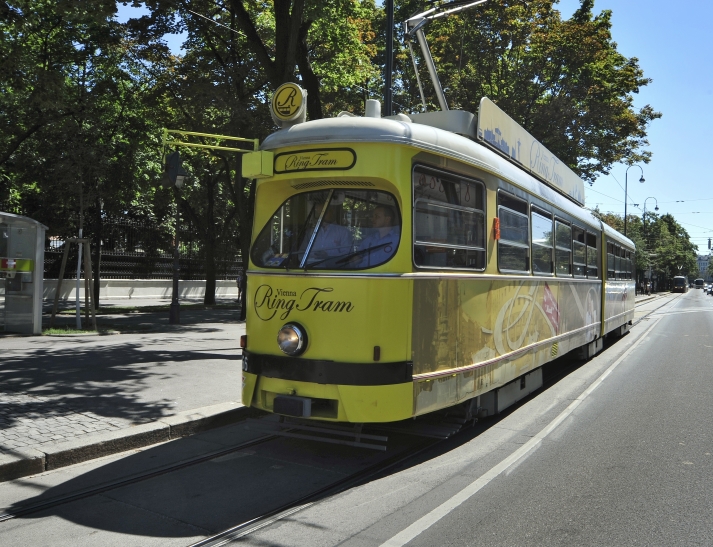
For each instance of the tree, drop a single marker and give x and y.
(236, 55)
(80, 133)
(661, 244)
(563, 80)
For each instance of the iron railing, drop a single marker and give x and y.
(138, 249)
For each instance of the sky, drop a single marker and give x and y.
(673, 46)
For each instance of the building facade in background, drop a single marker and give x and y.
(703, 261)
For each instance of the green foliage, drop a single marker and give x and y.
(75, 123)
(562, 80)
(662, 244)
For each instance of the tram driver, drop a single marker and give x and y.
(381, 243)
(332, 239)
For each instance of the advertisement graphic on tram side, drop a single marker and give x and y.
(501, 132)
(492, 319)
(495, 330)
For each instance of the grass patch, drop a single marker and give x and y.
(111, 310)
(59, 331)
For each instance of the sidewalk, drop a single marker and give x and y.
(66, 399)
(640, 298)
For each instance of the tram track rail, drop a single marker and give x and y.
(246, 528)
(113, 485)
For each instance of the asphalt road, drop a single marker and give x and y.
(617, 452)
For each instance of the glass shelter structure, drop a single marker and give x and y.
(22, 251)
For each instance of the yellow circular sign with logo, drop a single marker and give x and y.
(287, 102)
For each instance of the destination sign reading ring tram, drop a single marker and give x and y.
(324, 159)
(288, 102)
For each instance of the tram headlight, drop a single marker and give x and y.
(292, 339)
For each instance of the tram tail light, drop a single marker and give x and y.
(496, 228)
(244, 341)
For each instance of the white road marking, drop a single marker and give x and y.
(428, 520)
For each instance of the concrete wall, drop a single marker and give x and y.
(140, 288)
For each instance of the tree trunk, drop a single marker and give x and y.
(309, 78)
(209, 298)
(97, 252)
(246, 209)
(244, 250)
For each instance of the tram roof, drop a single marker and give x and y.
(431, 139)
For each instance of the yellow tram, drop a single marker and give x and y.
(407, 264)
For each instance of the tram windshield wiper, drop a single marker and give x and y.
(343, 259)
(296, 243)
(349, 256)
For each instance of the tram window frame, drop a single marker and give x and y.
(629, 270)
(579, 246)
(310, 225)
(540, 217)
(632, 264)
(512, 205)
(610, 261)
(617, 262)
(474, 256)
(592, 255)
(563, 247)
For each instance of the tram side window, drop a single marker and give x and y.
(610, 261)
(617, 262)
(541, 242)
(592, 256)
(628, 265)
(579, 257)
(514, 242)
(449, 220)
(563, 249)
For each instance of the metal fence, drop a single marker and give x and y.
(136, 249)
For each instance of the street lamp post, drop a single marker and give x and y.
(174, 313)
(174, 176)
(643, 217)
(626, 188)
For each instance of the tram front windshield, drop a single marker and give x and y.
(330, 230)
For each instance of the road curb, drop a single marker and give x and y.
(23, 462)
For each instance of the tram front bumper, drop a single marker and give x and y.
(281, 385)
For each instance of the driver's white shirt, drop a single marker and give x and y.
(334, 239)
(386, 247)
